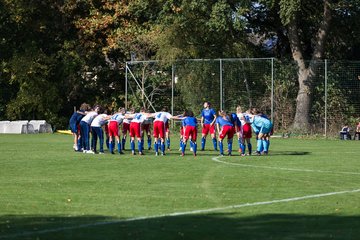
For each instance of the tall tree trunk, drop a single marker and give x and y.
(304, 99)
(306, 73)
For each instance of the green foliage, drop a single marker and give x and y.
(247, 83)
(56, 55)
(219, 17)
(51, 66)
(37, 97)
(289, 10)
(197, 81)
(271, 17)
(344, 43)
(155, 79)
(201, 29)
(285, 90)
(7, 90)
(32, 36)
(342, 102)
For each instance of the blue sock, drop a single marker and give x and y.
(268, 144)
(123, 141)
(163, 147)
(149, 142)
(221, 147)
(194, 147)
(214, 143)
(203, 142)
(191, 144)
(242, 147)
(259, 147)
(93, 143)
(239, 142)
(230, 145)
(156, 147)
(168, 142)
(132, 144)
(142, 145)
(140, 148)
(265, 145)
(111, 146)
(183, 147)
(119, 147)
(79, 144)
(249, 148)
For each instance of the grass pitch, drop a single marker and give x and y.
(304, 189)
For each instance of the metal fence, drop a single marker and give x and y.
(266, 83)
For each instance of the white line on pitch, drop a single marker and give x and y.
(201, 211)
(216, 159)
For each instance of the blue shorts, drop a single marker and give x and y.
(73, 127)
(265, 129)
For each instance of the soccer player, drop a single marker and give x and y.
(85, 128)
(245, 133)
(97, 131)
(182, 134)
(160, 119)
(263, 126)
(208, 118)
(135, 129)
(190, 131)
(182, 129)
(267, 137)
(126, 128)
(113, 126)
(146, 128)
(225, 128)
(74, 123)
(357, 132)
(237, 125)
(167, 134)
(106, 132)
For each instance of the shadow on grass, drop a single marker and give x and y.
(289, 153)
(214, 226)
(213, 153)
(236, 154)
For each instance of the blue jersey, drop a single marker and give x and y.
(76, 118)
(235, 120)
(189, 121)
(264, 116)
(224, 122)
(208, 115)
(259, 122)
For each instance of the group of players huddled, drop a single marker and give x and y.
(106, 126)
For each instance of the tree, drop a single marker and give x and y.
(202, 29)
(65, 52)
(30, 35)
(305, 31)
(290, 18)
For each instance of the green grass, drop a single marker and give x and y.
(45, 186)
